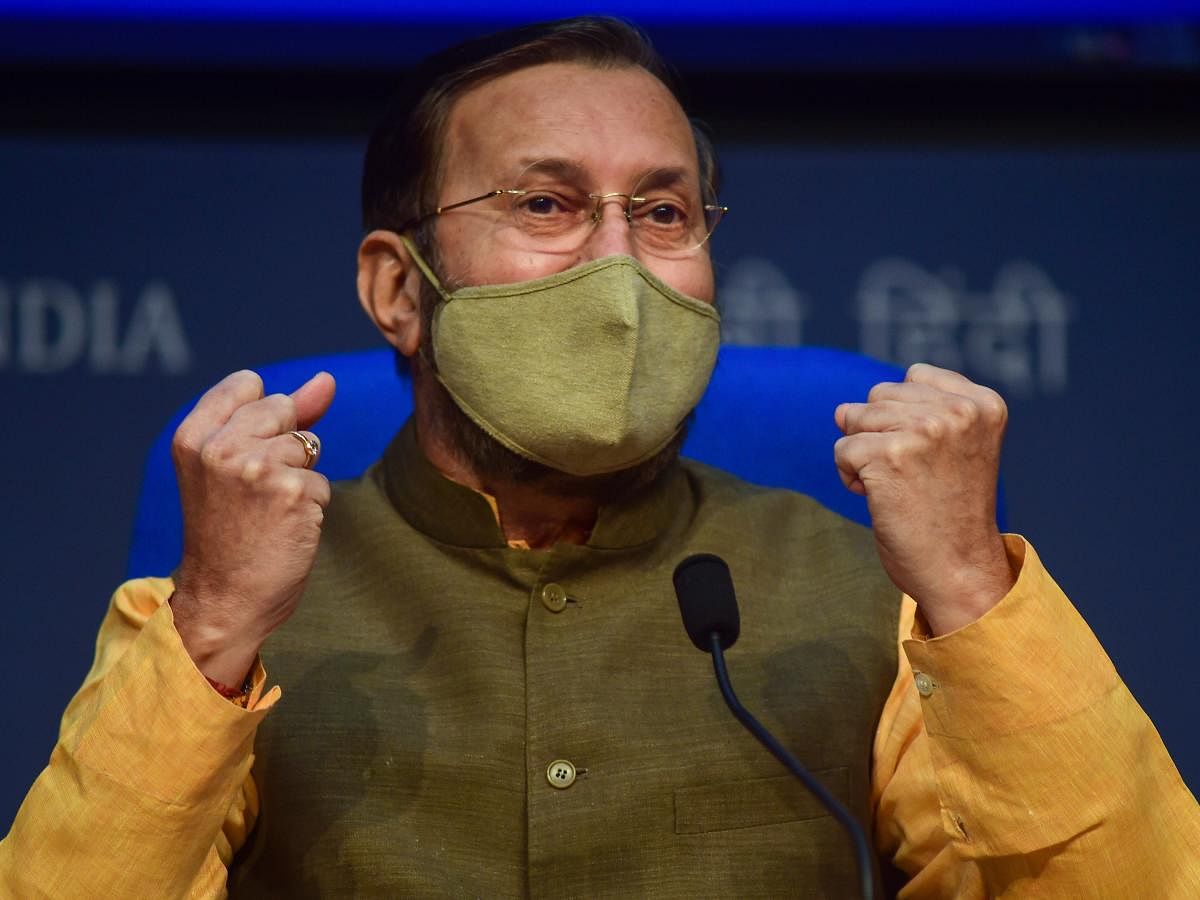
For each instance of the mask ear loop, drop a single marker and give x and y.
(425, 269)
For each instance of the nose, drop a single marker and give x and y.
(612, 234)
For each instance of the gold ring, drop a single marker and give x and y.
(311, 445)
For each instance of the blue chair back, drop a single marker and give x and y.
(767, 417)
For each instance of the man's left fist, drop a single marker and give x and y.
(926, 454)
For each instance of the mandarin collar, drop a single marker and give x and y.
(458, 515)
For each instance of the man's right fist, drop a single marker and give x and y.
(252, 517)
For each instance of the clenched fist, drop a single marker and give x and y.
(926, 454)
(252, 514)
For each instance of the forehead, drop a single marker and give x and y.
(615, 124)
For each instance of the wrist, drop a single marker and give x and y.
(968, 594)
(222, 654)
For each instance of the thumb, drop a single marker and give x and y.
(313, 398)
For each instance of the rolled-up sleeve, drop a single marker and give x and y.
(1013, 761)
(148, 790)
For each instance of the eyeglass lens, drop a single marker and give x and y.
(666, 215)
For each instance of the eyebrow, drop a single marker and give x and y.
(566, 169)
(663, 178)
(574, 171)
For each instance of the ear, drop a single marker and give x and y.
(389, 289)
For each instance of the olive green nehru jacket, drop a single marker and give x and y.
(433, 675)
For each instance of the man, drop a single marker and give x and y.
(488, 689)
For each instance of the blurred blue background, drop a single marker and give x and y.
(1009, 189)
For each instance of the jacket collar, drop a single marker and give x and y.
(455, 514)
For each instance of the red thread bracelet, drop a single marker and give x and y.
(238, 696)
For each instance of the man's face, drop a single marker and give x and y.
(608, 127)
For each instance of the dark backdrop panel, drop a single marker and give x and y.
(135, 272)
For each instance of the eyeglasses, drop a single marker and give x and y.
(665, 222)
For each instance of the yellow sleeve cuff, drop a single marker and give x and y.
(160, 728)
(1032, 734)
(1029, 660)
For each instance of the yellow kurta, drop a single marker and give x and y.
(1022, 765)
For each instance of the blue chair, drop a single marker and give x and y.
(767, 417)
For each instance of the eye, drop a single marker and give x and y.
(545, 212)
(663, 214)
(542, 205)
(666, 214)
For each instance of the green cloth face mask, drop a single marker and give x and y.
(588, 371)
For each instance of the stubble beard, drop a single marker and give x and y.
(497, 465)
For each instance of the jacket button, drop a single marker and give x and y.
(560, 774)
(554, 598)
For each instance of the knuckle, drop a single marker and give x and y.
(287, 406)
(281, 404)
(894, 454)
(879, 391)
(932, 427)
(245, 380)
(290, 487)
(963, 409)
(210, 455)
(236, 389)
(324, 491)
(217, 452)
(993, 407)
(185, 441)
(254, 468)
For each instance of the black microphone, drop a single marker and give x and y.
(710, 616)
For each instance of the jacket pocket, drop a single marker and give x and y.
(759, 801)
